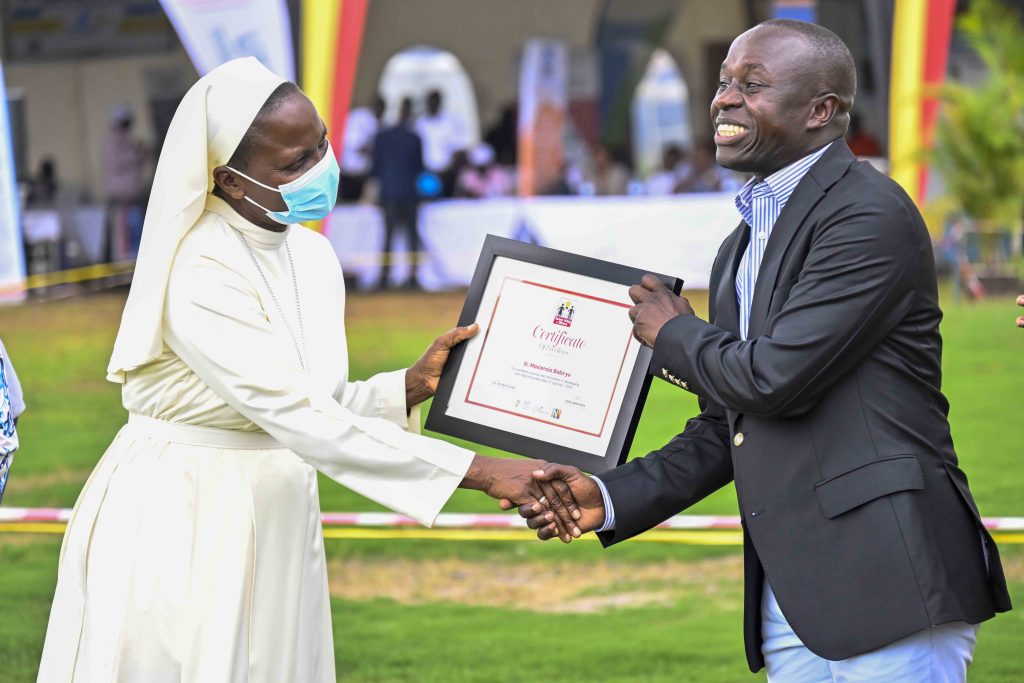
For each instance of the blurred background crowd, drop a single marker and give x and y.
(543, 111)
(451, 165)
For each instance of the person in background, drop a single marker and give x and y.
(705, 175)
(1020, 319)
(860, 142)
(397, 163)
(124, 175)
(449, 179)
(674, 168)
(8, 419)
(561, 186)
(44, 188)
(42, 237)
(483, 178)
(503, 137)
(443, 134)
(607, 176)
(357, 154)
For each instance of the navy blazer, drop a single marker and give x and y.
(397, 161)
(831, 421)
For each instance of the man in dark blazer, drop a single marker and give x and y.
(819, 388)
(397, 163)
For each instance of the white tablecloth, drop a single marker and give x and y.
(85, 223)
(41, 225)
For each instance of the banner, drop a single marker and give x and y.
(72, 29)
(12, 258)
(543, 104)
(321, 20)
(332, 34)
(920, 51)
(217, 31)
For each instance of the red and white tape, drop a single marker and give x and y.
(454, 520)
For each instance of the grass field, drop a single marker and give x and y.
(426, 610)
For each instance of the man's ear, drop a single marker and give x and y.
(228, 182)
(823, 109)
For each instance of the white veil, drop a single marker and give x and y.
(206, 129)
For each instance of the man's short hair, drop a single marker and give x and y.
(835, 63)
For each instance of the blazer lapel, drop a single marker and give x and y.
(821, 176)
(726, 309)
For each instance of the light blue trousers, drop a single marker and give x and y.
(939, 654)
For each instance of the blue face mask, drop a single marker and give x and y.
(310, 197)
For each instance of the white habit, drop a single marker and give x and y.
(194, 552)
(195, 549)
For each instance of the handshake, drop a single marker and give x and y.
(556, 500)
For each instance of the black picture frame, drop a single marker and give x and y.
(637, 385)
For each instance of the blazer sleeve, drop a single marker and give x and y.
(853, 289)
(646, 491)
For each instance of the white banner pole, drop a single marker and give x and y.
(12, 256)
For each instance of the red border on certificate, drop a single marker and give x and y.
(483, 346)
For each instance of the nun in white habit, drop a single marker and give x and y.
(194, 552)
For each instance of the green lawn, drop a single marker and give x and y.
(490, 611)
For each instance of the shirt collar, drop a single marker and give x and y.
(258, 237)
(780, 184)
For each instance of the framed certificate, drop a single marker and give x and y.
(554, 372)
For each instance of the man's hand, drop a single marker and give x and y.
(1020, 302)
(421, 379)
(569, 483)
(655, 306)
(523, 483)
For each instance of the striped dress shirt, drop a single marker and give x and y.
(759, 202)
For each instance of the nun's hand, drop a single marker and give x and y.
(421, 379)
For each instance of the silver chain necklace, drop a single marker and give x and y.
(302, 352)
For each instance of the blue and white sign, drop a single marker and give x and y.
(217, 31)
(12, 257)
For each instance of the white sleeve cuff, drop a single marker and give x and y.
(609, 509)
(390, 398)
(413, 421)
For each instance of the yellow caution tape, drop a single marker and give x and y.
(103, 270)
(655, 536)
(94, 272)
(32, 527)
(725, 537)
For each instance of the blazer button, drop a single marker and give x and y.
(738, 439)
